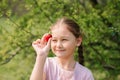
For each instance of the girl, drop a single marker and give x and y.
(66, 37)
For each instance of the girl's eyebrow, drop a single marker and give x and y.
(61, 36)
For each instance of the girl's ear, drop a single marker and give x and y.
(79, 41)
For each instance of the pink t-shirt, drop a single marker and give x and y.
(55, 72)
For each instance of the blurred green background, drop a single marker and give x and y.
(23, 21)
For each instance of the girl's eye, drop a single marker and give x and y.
(64, 39)
(54, 40)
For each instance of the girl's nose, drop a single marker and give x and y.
(59, 44)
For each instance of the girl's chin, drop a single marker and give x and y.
(59, 55)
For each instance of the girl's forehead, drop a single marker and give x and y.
(61, 32)
(61, 29)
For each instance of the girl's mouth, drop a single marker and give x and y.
(60, 50)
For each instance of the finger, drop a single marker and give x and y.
(49, 43)
(38, 41)
(34, 42)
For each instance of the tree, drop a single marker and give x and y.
(100, 22)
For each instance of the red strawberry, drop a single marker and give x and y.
(46, 38)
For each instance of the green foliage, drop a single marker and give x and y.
(22, 22)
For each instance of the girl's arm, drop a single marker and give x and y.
(37, 73)
(42, 49)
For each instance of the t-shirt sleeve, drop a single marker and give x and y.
(89, 75)
(46, 66)
(48, 69)
(83, 73)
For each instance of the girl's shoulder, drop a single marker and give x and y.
(81, 68)
(83, 71)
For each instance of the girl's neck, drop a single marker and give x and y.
(66, 63)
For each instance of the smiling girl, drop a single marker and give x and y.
(66, 37)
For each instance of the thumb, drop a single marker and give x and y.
(48, 44)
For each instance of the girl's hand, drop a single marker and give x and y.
(41, 46)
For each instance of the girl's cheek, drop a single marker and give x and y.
(52, 44)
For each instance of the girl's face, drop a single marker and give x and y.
(63, 42)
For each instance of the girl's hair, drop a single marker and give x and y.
(75, 29)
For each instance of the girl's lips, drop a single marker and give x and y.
(60, 50)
